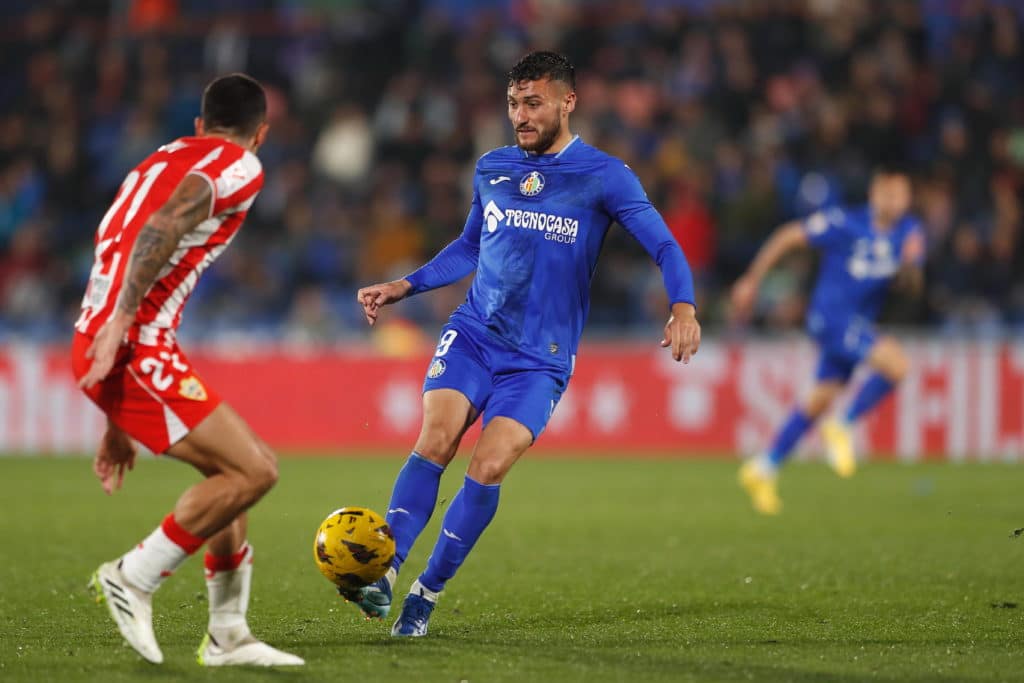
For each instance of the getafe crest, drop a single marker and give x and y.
(437, 369)
(531, 184)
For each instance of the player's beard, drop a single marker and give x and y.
(544, 139)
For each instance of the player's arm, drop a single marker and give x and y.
(188, 206)
(626, 201)
(787, 238)
(910, 277)
(451, 264)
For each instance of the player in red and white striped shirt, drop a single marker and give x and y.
(173, 216)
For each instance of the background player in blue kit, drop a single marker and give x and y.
(862, 251)
(540, 213)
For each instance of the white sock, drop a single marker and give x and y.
(419, 589)
(228, 591)
(765, 467)
(147, 565)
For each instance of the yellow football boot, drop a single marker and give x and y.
(839, 447)
(761, 487)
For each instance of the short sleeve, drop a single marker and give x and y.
(235, 176)
(827, 228)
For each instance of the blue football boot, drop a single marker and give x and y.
(416, 611)
(374, 600)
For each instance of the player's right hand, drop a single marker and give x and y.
(743, 297)
(682, 332)
(103, 350)
(115, 456)
(373, 297)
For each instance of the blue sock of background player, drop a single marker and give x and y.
(870, 394)
(412, 502)
(471, 510)
(876, 388)
(795, 426)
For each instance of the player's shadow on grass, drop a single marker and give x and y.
(583, 659)
(183, 671)
(447, 637)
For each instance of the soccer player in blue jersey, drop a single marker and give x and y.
(540, 213)
(863, 251)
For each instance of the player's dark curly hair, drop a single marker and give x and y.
(235, 102)
(538, 65)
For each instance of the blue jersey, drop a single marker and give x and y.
(857, 263)
(533, 236)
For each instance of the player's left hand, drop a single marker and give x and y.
(682, 332)
(115, 456)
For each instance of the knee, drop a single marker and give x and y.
(895, 365)
(900, 367)
(263, 473)
(438, 443)
(814, 409)
(819, 401)
(488, 471)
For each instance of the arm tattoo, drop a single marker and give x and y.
(187, 207)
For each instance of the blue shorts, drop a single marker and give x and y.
(497, 379)
(843, 345)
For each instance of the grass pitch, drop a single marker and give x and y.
(627, 570)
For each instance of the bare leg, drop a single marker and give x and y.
(228, 540)
(890, 366)
(502, 443)
(447, 414)
(500, 446)
(240, 468)
(820, 398)
(758, 476)
(888, 358)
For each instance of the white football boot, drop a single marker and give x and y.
(228, 641)
(244, 652)
(130, 608)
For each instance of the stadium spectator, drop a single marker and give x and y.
(736, 116)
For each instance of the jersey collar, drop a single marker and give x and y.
(568, 145)
(875, 230)
(528, 155)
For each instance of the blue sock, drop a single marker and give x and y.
(792, 429)
(871, 393)
(412, 502)
(471, 510)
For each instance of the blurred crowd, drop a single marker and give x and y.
(737, 114)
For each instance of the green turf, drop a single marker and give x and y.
(626, 570)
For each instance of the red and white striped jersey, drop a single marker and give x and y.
(235, 176)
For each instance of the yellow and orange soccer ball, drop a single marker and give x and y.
(353, 547)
